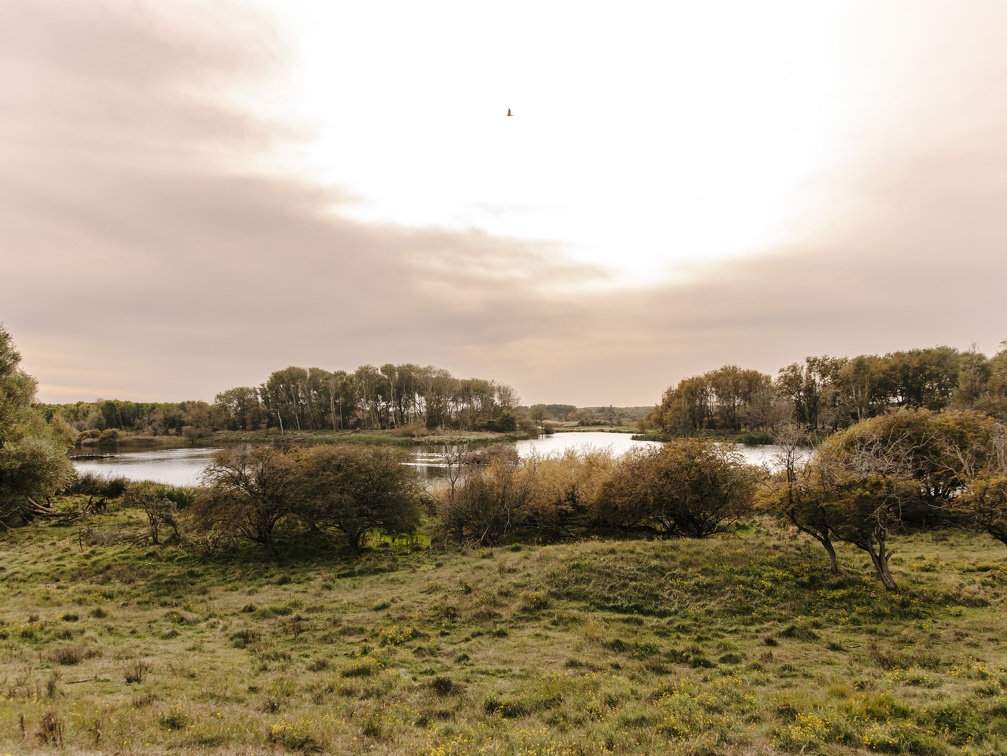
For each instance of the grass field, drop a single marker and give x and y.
(738, 644)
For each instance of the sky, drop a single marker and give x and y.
(195, 194)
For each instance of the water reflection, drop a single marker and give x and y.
(768, 455)
(176, 467)
(432, 461)
(182, 467)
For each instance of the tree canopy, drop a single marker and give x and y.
(249, 493)
(356, 488)
(33, 459)
(832, 393)
(688, 487)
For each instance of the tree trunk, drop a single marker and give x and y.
(999, 532)
(880, 560)
(355, 538)
(823, 539)
(266, 539)
(833, 560)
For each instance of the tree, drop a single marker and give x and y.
(160, 510)
(240, 407)
(356, 488)
(247, 493)
(871, 481)
(686, 407)
(939, 451)
(766, 410)
(811, 389)
(985, 499)
(33, 461)
(924, 378)
(689, 487)
(798, 491)
(973, 377)
(861, 389)
(868, 508)
(733, 390)
(994, 399)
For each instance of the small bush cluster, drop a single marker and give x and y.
(351, 489)
(94, 484)
(689, 487)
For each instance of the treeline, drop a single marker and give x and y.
(914, 468)
(370, 398)
(295, 398)
(832, 393)
(584, 416)
(109, 416)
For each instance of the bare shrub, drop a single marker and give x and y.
(542, 498)
(50, 730)
(161, 511)
(69, 656)
(135, 670)
(52, 684)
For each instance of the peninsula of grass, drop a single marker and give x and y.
(740, 643)
(410, 438)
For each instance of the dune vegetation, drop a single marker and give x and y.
(739, 643)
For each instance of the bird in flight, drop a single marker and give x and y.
(508, 112)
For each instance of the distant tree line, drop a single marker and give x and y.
(832, 393)
(108, 416)
(295, 398)
(583, 416)
(370, 398)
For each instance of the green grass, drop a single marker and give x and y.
(738, 644)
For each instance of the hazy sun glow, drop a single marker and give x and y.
(641, 141)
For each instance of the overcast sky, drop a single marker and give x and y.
(195, 194)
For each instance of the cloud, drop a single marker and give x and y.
(153, 250)
(146, 242)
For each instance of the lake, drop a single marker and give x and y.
(182, 467)
(177, 467)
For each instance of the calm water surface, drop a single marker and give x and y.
(177, 467)
(430, 460)
(182, 467)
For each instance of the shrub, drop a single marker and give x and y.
(69, 656)
(50, 730)
(94, 484)
(355, 488)
(691, 487)
(247, 494)
(444, 686)
(135, 671)
(174, 719)
(160, 510)
(506, 708)
(499, 496)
